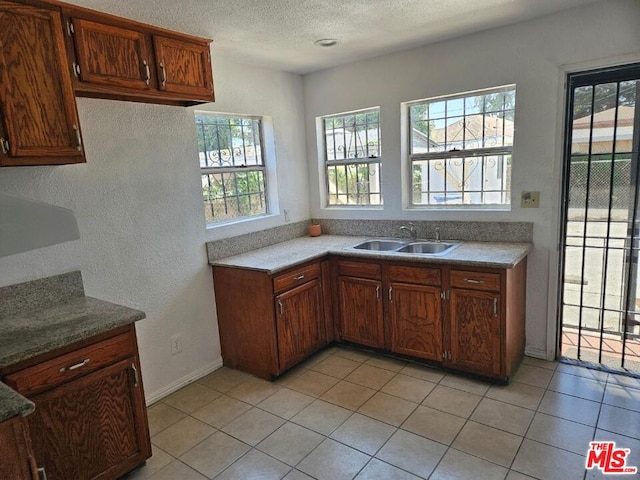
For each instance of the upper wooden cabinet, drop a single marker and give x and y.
(120, 59)
(111, 56)
(183, 67)
(37, 107)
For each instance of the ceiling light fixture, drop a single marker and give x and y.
(326, 42)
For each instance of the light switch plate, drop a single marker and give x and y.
(530, 199)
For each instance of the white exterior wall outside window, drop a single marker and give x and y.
(352, 151)
(460, 149)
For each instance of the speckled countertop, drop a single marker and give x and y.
(31, 326)
(282, 256)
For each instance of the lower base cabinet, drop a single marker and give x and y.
(268, 323)
(467, 319)
(90, 419)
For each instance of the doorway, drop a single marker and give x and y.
(599, 308)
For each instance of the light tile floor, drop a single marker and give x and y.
(345, 414)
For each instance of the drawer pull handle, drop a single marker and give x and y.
(495, 307)
(75, 367)
(471, 280)
(42, 473)
(299, 277)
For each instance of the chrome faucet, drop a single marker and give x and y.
(410, 228)
(438, 234)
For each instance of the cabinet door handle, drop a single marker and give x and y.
(42, 473)
(146, 72)
(390, 290)
(299, 277)
(5, 146)
(281, 307)
(164, 74)
(78, 137)
(495, 307)
(76, 366)
(471, 280)
(136, 378)
(378, 292)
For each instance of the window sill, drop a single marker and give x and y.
(240, 221)
(458, 208)
(355, 208)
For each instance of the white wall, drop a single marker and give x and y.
(535, 56)
(138, 201)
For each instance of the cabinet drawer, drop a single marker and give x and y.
(295, 277)
(422, 276)
(475, 280)
(72, 365)
(359, 269)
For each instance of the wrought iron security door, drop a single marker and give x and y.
(600, 296)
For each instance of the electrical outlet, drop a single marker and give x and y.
(530, 199)
(176, 344)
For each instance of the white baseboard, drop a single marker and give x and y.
(536, 353)
(182, 382)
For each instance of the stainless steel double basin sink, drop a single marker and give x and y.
(418, 247)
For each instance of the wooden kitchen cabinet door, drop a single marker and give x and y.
(37, 106)
(184, 67)
(15, 451)
(361, 318)
(91, 428)
(415, 313)
(112, 56)
(475, 322)
(300, 325)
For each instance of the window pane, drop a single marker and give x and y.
(352, 136)
(228, 142)
(233, 195)
(232, 145)
(460, 126)
(354, 184)
(479, 180)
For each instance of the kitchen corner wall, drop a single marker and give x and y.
(138, 202)
(534, 55)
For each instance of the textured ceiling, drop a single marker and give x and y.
(281, 33)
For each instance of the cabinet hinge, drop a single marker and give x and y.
(70, 29)
(4, 145)
(76, 69)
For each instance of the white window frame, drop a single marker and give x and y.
(481, 152)
(366, 160)
(264, 167)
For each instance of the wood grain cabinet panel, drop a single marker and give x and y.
(184, 67)
(92, 425)
(269, 323)
(300, 329)
(415, 315)
(475, 332)
(37, 105)
(88, 428)
(361, 319)
(112, 56)
(15, 451)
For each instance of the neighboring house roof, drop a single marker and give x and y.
(606, 118)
